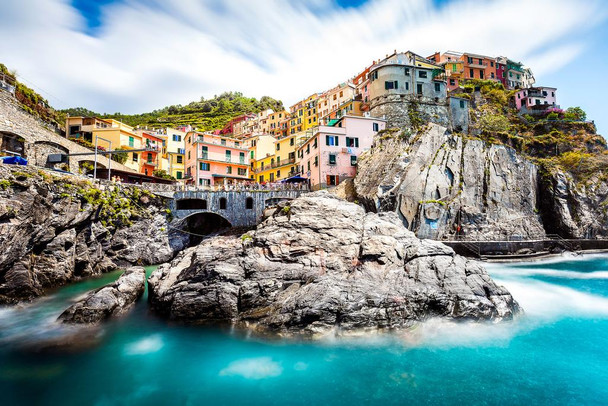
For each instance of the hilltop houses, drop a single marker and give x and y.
(319, 139)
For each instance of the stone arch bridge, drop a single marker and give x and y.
(239, 208)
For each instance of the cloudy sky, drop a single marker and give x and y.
(138, 55)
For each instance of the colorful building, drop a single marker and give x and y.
(106, 131)
(330, 155)
(536, 99)
(151, 159)
(261, 146)
(479, 66)
(214, 159)
(404, 74)
(281, 164)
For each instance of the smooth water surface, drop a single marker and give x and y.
(555, 354)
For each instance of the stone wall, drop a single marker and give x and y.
(40, 141)
(397, 110)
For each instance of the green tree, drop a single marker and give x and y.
(576, 112)
(120, 157)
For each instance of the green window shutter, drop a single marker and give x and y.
(336, 139)
(356, 142)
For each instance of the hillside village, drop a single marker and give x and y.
(318, 140)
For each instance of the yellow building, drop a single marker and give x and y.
(175, 152)
(273, 125)
(310, 112)
(104, 131)
(278, 163)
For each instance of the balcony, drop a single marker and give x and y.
(154, 164)
(477, 65)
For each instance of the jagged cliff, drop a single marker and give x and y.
(445, 185)
(55, 229)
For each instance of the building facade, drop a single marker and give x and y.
(214, 159)
(330, 155)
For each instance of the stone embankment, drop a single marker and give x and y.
(320, 265)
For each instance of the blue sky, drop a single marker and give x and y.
(137, 55)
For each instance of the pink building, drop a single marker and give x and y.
(536, 98)
(213, 159)
(330, 155)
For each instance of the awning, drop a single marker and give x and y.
(295, 179)
(14, 160)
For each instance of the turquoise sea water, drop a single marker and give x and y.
(555, 354)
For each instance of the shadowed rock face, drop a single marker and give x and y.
(108, 301)
(49, 236)
(320, 264)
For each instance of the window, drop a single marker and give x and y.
(222, 203)
(407, 72)
(552, 94)
(178, 174)
(316, 161)
(292, 141)
(352, 142)
(278, 173)
(242, 171)
(392, 84)
(223, 141)
(331, 140)
(480, 74)
(181, 151)
(135, 157)
(491, 64)
(375, 127)
(422, 74)
(462, 104)
(249, 203)
(314, 143)
(419, 88)
(332, 180)
(261, 178)
(229, 170)
(492, 74)
(353, 160)
(228, 155)
(307, 149)
(149, 158)
(471, 73)
(480, 61)
(177, 138)
(272, 177)
(374, 75)
(204, 166)
(437, 87)
(205, 154)
(179, 159)
(407, 86)
(452, 82)
(469, 59)
(242, 157)
(189, 155)
(308, 165)
(278, 147)
(332, 159)
(131, 141)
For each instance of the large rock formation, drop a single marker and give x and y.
(321, 264)
(108, 301)
(55, 229)
(437, 182)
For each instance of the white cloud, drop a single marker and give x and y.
(148, 55)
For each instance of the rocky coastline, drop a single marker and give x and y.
(320, 265)
(56, 229)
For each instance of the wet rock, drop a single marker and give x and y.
(108, 301)
(325, 265)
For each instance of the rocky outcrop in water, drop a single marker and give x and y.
(445, 185)
(322, 264)
(109, 301)
(55, 229)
